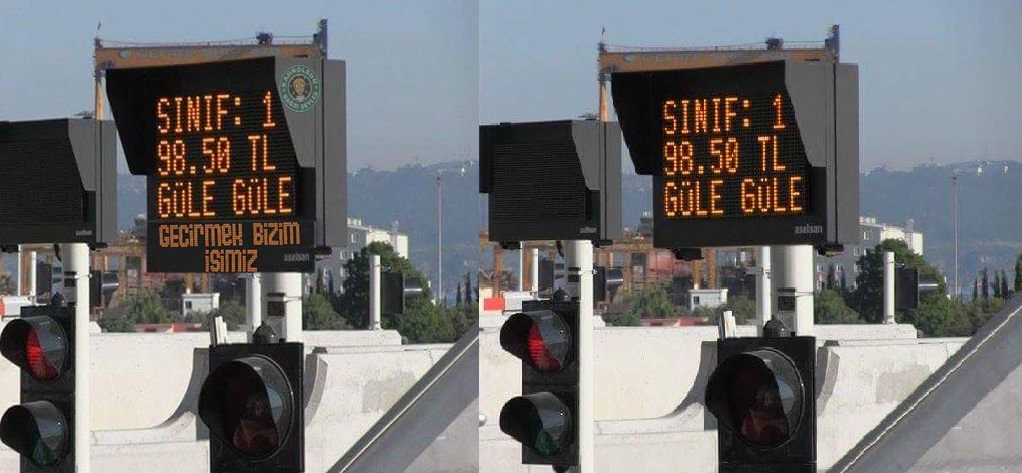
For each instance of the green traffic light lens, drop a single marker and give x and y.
(37, 431)
(539, 421)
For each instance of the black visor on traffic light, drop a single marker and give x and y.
(37, 431)
(37, 345)
(540, 338)
(247, 403)
(758, 396)
(539, 421)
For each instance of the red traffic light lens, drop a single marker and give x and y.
(540, 355)
(248, 404)
(758, 396)
(37, 345)
(36, 430)
(38, 364)
(540, 338)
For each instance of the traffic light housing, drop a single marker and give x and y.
(41, 427)
(763, 395)
(394, 288)
(545, 417)
(253, 404)
(908, 287)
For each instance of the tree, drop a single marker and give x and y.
(140, 307)
(831, 278)
(742, 308)
(468, 287)
(975, 289)
(624, 319)
(985, 284)
(457, 301)
(353, 303)
(844, 283)
(319, 314)
(650, 302)
(867, 298)
(234, 314)
(830, 308)
(1005, 292)
(8, 285)
(997, 284)
(424, 322)
(1018, 273)
(935, 316)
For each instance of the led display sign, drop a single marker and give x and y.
(750, 154)
(221, 145)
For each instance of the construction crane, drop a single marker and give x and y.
(613, 58)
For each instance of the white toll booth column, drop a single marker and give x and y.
(792, 275)
(374, 293)
(763, 288)
(76, 292)
(521, 269)
(253, 302)
(534, 269)
(282, 296)
(888, 287)
(578, 262)
(32, 266)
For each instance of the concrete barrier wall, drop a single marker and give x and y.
(140, 381)
(644, 374)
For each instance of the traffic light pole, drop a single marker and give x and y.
(578, 262)
(284, 289)
(374, 293)
(76, 287)
(763, 288)
(792, 276)
(888, 287)
(253, 306)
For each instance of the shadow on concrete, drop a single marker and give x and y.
(433, 427)
(967, 416)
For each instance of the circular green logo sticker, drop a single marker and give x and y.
(299, 88)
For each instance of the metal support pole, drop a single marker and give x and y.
(888, 287)
(253, 302)
(374, 293)
(521, 269)
(763, 288)
(33, 263)
(535, 270)
(579, 285)
(17, 290)
(289, 321)
(792, 274)
(76, 292)
(439, 241)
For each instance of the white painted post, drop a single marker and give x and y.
(290, 284)
(17, 290)
(374, 293)
(76, 292)
(579, 284)
(792, 268)
(253, 302)
(888, 287)
(763, 289)
(32, 263)
(521, 269)
(535, 270)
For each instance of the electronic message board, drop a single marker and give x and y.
(59, 182)
(245, 161)
(750, 154)
(556, 180)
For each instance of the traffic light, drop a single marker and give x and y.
(763, 396)
(908, 287)
(606, 281)
(545, 417)
(41, 428)
(394, 288)
(253, 404)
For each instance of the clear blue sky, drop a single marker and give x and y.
(413, 66)
(940, 79)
